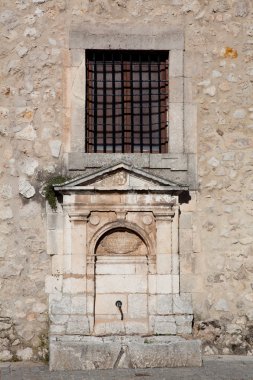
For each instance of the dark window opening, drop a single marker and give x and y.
(126, 101)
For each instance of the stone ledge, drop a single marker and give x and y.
(80, 353)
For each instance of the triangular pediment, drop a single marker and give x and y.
(119, 177)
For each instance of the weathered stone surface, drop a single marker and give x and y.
(129, 352)
(25, 188)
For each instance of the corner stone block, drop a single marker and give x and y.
(54, 242)
(53, 284)
(184, 324)
(62, 306)
(55, 221)
(165, 325)
(182, 304)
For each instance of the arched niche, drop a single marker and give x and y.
(121, 241)
(121, 275)
(120, 226)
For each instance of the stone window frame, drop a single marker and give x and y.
(182, 111)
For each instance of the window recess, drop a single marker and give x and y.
(126, 101)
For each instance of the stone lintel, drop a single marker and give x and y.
(138, 38)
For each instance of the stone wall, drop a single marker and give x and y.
(216, 254)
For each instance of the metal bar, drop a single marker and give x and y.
(150, 105)
(140, 102)
(113, 104)
(95, 103)
(104, 104)
(123, 105)
(132, 104)
(159, 101)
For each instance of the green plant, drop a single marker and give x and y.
(49, 191)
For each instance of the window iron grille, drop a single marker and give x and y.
(126, 101)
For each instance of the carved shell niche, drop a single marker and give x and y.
(121, 242)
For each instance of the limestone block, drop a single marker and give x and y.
(115, 327)
(121, 283)
(166, 284)
(54, 221)
(78, 237)
(59, 319)
(57, 329)
(25, 188)
(163, 237)
(176, 63)
(78, 324)
(164, 304)
(152, 308)
(186, 240)
(152, 284)
(137, 305)
(82, 356)
(105, 303)
(55, 147)
(54, 242)
(184, 324)
(78, 305)
(61, 264)
(173, 354)
(62, 306)
(137, 327)
(176, 142)
(164, 263)
(182, 303)
(185, 220)
(164, 325)
(74, 285)
(176, 90)
(78, 264)
(110, 268)
(53, 284)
